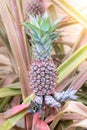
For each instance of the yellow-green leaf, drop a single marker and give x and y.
(72, 63)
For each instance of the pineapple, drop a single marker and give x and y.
(42, 73)
(43, 77)
(36, 7)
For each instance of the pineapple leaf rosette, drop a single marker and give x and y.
(42, 72)
(42, 35)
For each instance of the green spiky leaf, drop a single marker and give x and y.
(31, 27)
(45, 38)
(54, 25)
(34, 20)
(54, 36)
(42, 34)
(45, 26)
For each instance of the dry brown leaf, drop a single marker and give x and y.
(70, 107)
(81, 123)
(75, 107)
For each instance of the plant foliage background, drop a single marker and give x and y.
(69, 55)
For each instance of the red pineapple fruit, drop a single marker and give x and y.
(43, 77)
(42, 73)
(36, 7)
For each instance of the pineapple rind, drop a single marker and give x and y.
(36, 7)
(43, 77)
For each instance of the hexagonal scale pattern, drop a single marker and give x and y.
(43, 77)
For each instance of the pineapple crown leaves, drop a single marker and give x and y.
(41, 30)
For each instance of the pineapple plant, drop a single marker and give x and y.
(43, 75)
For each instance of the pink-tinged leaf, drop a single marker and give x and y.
(50, 118)
(13, 111)
(79, 80)
(79, 108)
(2, 119)
(28, 121)
(39, 124)
(15, 101)
(9, 78)
(64, 84)
(70, 107)
(84, 39)
(9, 123)
(72, 116)
(35, 119)
(52, 115)
(21, 38)
(14, 44)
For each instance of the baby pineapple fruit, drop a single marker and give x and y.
(43, 76)
(36, 7)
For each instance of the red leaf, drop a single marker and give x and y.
(39, 124)
(28, 121)
(42, 125)
(35, 120)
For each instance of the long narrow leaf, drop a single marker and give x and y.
(4, 92)
(16, 49)
(4, 102)
(81, 123)
(79, 109)
(66, 6)
(15, 110)
(18, 19)
(72, 63)
(9, 123)
(79, 80)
